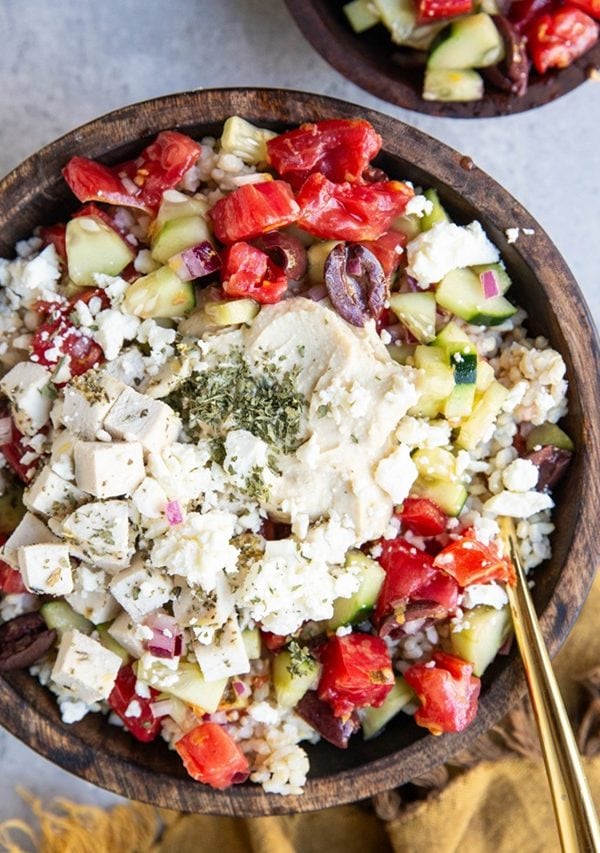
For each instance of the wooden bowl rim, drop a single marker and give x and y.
(344, 51)
(446, 168)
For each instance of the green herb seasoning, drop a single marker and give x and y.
(301, 660)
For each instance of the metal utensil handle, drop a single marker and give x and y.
(574, 809)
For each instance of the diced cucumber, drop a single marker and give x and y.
(245, 140)
(417, 312)
(464, 366)
(159, 294)
(11, 510)
(421, 38)
(375, 719)
(425, 356)
(251, 638)
(485, 631)
(292, 678)
(460, 402)
(401, 352)
(434, 385)
(548, 433)
(353, 610)
(232, 312)
(437, 215)
(461, 292)
(189, 685)
(94, 247)
(177, 235)
(435, 463)
(317, 255)
(110, 643)
(476, 427)
(61, 616)
(485, 375)
(449, 496)
(502, 277)
(360, 15)
(469, 42)
(452, 85)
(175, 205)
(399, 16)
(452, 334)
(408, 224)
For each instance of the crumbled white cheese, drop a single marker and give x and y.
(446, 247)
(113, 329)
(418, 205)
(25, 386)
(520, 476)
(489, 594)
(518, 504)
(396, 473)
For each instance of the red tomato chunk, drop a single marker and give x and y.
(448, 693)
(555, 39)
(252, 210)
(210, 755)
(341, 149)
(357, 671)
(140, 721)
(592, 7)
(423, 517)
(469, 561)
(248, 272)
(433, 10)
(10, 579)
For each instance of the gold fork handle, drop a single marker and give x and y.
(574, 809)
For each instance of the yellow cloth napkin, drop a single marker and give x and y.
(500, 806)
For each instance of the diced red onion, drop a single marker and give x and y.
(167, 638)
(317, 293)
(397, 332)
(490, 284)
(5, 430)
(173, 513)
(413, 284)
(240, 688)
(198, 261)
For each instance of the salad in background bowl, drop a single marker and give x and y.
(268, 399)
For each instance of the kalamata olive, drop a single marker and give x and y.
(285, 251)
(410, 58)
(320, 716)
(552, 463)
(24, 640)
(356, 284)
(512, 74)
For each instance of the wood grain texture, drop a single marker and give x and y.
(376, 64)
(35, 193)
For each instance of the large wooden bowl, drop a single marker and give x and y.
(375, 63)
(35, 193)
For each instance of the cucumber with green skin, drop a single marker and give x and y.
(356, 608)
(460, 402)
(159, 294)
(545, 434)
(469, 42)
(232, 312)
(186, 683)
(93, 247)
(375, 719)
(360, 15)
(486, 629)
(417, 311)
(461, 292)
(437, 213)
(179, 234)
(399, 16)
(452, 85)
(60, 616)
(502, 277)
(245, 140)
(449, 496)
(464, 367)
(292, 678)
(435, 463)
(175, 205)
(476, 427)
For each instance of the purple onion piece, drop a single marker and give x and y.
(424, 610)
(552, 463)
(196, 262)
(356, 284)
(320, 716)
(285, 251)
(167, 639)
(512, 74)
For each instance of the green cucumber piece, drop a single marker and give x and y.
(502, 277)
(417, 311)
(408, 224)
(461, 292)
(422, 37)
(452, 85)
(434, 385)
(485, 412)
(159, 294)
(435, 463)
(317, 254)
(401, 353)
(485, 375)
(460, 402)
(252, 642)
(470, 42)
(245, 140)
(176, 235)
(353, 610)
(399, 16)
(452, 334)
(548, 433)
(94, 247)
(449, 496)
(110, 643)
(485, 631)
(60, 615)
(360, 15)
(189, 686)
(231, 312)
(175, 205)
(12, 510)
(425, 356)
(464, 366)
(437, 215)
(292, 678)
(375, 719)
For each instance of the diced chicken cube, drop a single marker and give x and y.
(141, 589)
(99, 534)
(123, 630)
(86, 405)
(135, 417)
(25, 386)
(108, 470)
(46, 568)
(50, 494)
(85, 667)
(30, 531)
(225, 656)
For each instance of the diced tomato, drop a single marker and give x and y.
(523, 12)
(10, 579)
(433, 10)
(357, 671)
(14, 450)
(350, 211)
(144, 726)
(210, 755)
(388, 249)
(591, 7)
(448, 693)
(469, 561)
(248, 272)
(273, 642)
(556, 38)
(441, 589)
(160, 167)
(422, 516)
(55, 235)
(341, 149)
(254, 209)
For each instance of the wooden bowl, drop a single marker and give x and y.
(375, 63)
(35, 193)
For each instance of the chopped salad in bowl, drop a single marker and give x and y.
(262, 406)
